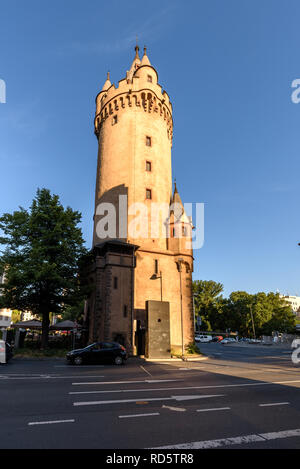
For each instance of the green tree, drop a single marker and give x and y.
(74, 312)
(41, 257)
(207, 295)
(282, 319)
(15, 316)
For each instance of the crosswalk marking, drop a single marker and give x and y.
(244, 439)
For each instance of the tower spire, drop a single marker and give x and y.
(107, 84)
(137, 49)
(145, 60)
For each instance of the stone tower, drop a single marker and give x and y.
(142, 265)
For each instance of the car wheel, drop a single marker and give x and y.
(78, 361)
(118, 360)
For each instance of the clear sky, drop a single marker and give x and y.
(227, 67)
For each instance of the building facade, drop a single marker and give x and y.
(5, 318)
(142, 260)
(294, 302)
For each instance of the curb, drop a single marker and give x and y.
(186, 359)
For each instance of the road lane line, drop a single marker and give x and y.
(220, 386)
(214, 409)
(137, 415)
(49, 422)
(8, 377)
(135, 390)
(123, 401)
(176, 409)
(145, 371)
(274, 403)
(126, 382)
(80, 366)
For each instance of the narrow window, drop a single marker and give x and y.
(149, 78)
(115, 283)
(155, 266)
(148, 194)
(115, 120)
(148, 141)
(125, 311)
(148, 166)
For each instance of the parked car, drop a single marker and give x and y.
(99, 352)
(203, 338)
(228, 340)
(255, 341)
(217, 338)
(6, 351)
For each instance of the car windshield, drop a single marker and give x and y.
(91, 346)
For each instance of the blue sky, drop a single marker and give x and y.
(228, 68)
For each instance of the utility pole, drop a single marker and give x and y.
(253, 327)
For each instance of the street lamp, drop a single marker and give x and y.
(155, 277)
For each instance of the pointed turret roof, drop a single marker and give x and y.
(178, 208)
(135, 64)
(107, 84)
(178, 205)
(145, 59)
(176, 197)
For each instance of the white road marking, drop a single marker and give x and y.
(10, 377)
(133, 390)
(137, 415)
(177, 398)
(126, 382)
(173, 389)
(214, 443)
(80, 366)
(214, 409)
(176, 409)
(282, 434)
(146, 371)
(261, 437)
(274, 403)
(49, 422)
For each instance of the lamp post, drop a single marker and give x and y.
(179, 263)
(155, 277)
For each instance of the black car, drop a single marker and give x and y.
(99, 352)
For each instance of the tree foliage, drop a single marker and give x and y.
(42, 251)
(242, 312)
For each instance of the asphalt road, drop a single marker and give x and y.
(240, 397)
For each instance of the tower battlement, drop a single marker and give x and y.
(140, 93)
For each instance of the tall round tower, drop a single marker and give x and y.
(134, 128)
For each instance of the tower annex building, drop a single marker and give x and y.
(142, 261)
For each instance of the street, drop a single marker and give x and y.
(239, 397)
